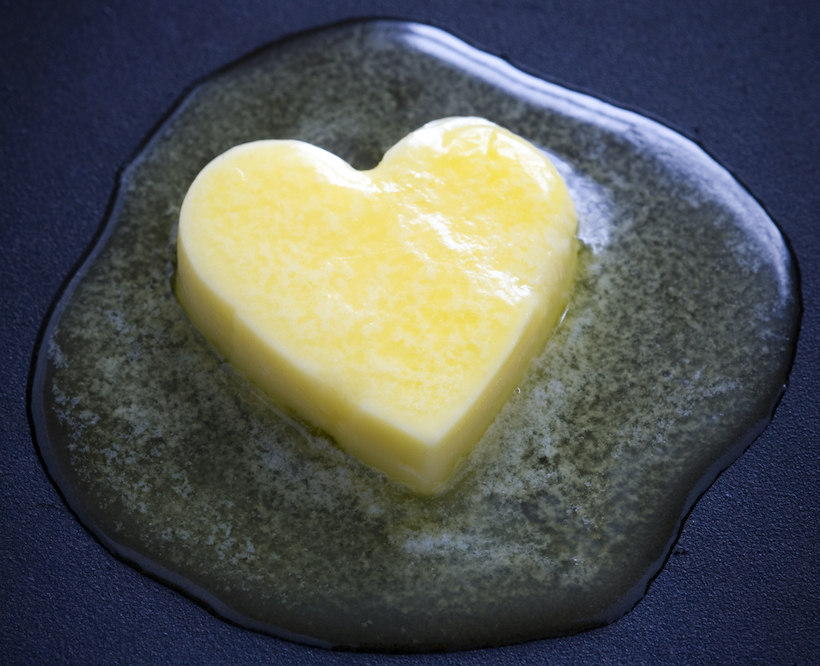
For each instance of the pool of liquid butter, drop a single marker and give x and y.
(673, 353)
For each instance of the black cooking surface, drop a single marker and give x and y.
(83, 84)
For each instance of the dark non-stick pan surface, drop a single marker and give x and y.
(83, 84)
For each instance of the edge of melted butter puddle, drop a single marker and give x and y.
(396, 309)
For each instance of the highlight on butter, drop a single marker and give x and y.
(395, 308)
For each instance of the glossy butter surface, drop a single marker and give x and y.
(395, 308)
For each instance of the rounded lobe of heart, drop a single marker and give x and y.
(395, 308)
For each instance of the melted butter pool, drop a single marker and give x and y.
(673, 354)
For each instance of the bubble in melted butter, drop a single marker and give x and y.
(671, 358)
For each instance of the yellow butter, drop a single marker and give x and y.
(395, 308)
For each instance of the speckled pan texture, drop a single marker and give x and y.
(672, 356)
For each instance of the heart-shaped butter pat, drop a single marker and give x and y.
(395, 308)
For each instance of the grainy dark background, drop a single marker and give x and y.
(83, 83)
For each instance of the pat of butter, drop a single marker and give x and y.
(395, 308)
